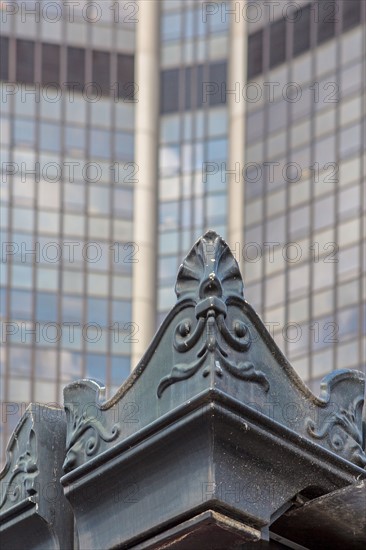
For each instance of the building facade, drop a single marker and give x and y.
(68, 171)
(259, 109)
(302, 168)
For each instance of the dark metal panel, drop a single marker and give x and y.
(33, 510)
(336, 520)
(212, 442)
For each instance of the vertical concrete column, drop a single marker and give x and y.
(147, 70)
(237, 77)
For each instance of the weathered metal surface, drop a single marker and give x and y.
(213, 418)
(221, 531)
(213, 442)
(33, 510)
(213, 339)
(336, 520)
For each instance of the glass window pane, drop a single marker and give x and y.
(24, 132)
(169, 160)
(74, 196)
(324, 212)
(46, 307)
(123, 202)
(348, 321)
(349, 232)
(120, 369)
(351, 79)
(327, 15)
(350, 140)
(71, 366)
(22, 276)
(20, 360)
(325, 151)
(4, 59)
(124, 146)
(351, 13)
(170, 128)
(121, 311)
(349, 200)
(301, 32)
(275, 290)
(168, 215)
(25, 61)
(74, 139)
(49, 194)
(23, 219)
(50, 136)
(278, 42)
(47, 279)
(277, 115)
(76, 109)
(99, 200)
(325, 122)
(101, 73)
(96, 367)
(217, 75)
(275, 230)
(255, 54)
(299, 221)
(50, 64)
(126, 76)
(298, 280)
(326, 58)
(72, 308)
(323, 275)
(350, 110)
(255, 125)
(76, 67)
(167, 268)
(351, 44)
(216, 206)
(171, 26)
(100, 144)
(349, 262)
(216, 149)
(217, 122)
(170, 90)
(168, 243)
(73, 281)
(21, 304)
(45, 364)
(97, 311)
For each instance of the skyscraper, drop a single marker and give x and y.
(260, 112)
(67, 174)
(301, 175)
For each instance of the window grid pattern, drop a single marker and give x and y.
(286, 38)
(66, 220)
(193, 133)
(305, 185)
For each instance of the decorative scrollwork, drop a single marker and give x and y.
(82, 423)
(342, 431)
(209, 278)
(21, 482)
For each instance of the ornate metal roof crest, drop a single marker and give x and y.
(210, 277)
(212, 345)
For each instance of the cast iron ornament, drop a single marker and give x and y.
(22, 480)
(210, 278)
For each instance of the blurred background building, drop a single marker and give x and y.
(260, 111)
